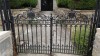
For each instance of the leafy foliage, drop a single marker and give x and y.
(80, 4)
(80, 38)
(22, 3)
(29, 3)
(62, 3)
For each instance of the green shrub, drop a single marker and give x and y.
(29, 3)
(16, 3)
(62, 3)
(81, 4)
(23, 3)
(80, 38)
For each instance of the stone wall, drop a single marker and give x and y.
(96, 46)
(6, 48)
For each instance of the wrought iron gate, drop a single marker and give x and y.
(71, 33)
(54, 34)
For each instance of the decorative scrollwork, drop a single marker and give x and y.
(71, 16)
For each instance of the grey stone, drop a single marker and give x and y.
(6, 48)
(96, 46)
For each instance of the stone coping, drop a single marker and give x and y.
(98, 32)
(24, 9)
(98, 29)
(5, 34)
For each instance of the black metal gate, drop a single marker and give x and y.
(70, 34)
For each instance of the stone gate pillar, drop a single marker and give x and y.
(39, 5)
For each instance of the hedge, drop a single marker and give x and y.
(80, 4)
(62, 3)
(23, 3)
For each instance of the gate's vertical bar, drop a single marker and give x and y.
(89, 39)
(37, 38)
(60, 34)
(18, 36)
(56, 37)
(14, 39)
(5, 5)
(70, 39)
(65, 37)
(23, 48)
(56, 34)
(27, 35)
(51, 18)
(85, 26)
(80, 31)
(95, 24)
(46, 35)
(41, 37)
(91, 36)
(1, 9)
(32, 37)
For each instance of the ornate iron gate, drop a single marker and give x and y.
(71, 33)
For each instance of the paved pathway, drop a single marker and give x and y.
(46, 34)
